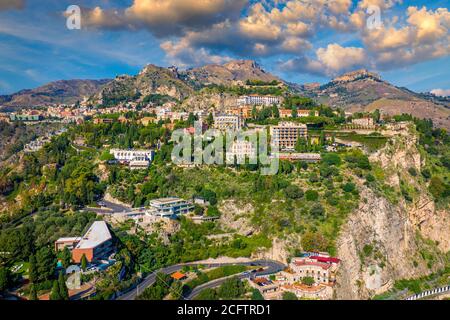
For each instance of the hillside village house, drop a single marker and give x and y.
(364, 122)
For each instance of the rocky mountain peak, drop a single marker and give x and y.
(356, 75)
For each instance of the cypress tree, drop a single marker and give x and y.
(54, 295)
(63, 291)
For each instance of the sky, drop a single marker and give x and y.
(302, 41)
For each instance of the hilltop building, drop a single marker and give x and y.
(258, 100)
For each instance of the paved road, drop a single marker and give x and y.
(110, 208)
(270, 267)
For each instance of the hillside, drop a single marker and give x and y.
(63, 91)
(366, 91)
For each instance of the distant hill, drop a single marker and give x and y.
(365, 91)
(63, 91)
(231, 73)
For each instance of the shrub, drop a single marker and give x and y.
(412, 172)
(311, 195)
(317, 211)
(331, 159)
(349, 187)
(370, 178)
(294, 192)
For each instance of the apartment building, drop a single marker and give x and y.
(258, 100)
(228, 122)
(286, 134)
(169, 207)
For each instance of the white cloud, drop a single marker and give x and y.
(441, 92)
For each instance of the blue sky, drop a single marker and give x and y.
(296, 40)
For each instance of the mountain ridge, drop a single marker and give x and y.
(359, 90)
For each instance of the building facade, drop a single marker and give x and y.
(228, 122)
(258, 100)
(286, 134)
(96, 244)
(130, 155)
(169, 207)
(239, 151)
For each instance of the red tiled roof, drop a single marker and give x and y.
(326, 259)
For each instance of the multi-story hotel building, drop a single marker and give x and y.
(228, 122)
(286, 134)
(258, 100)
(169, 207)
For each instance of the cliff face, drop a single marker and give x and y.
(384, 241)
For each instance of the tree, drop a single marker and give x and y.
(309, 281)
(4, 278)
(294, 112)
(84, 262)
(66, 257)
(231, 289)
(210, 119)
(275, 112)
(63, 291)
(314, 242)
(55, 293)
(32, 272)
(33, 292)
(289, 296)
(45, 263)
(256, 295)
(331, 159)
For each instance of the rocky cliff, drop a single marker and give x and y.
(385, 240)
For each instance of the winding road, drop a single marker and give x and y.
(270, 267)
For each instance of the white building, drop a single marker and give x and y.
(228, 122)
(258, 100)
(169, 207)
(130, 155)
(240, 150)
(139, 163)
(365, 122)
